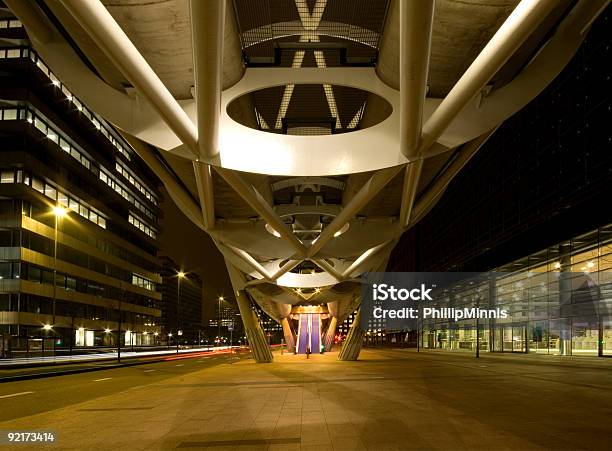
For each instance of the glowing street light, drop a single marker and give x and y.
(47, 327)
(219, 316)
(58, 212)
(180, 275)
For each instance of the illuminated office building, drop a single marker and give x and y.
(533, 206)
(559, 302)
(75, 201)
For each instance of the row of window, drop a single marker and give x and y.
(10, 23)
(142, 282)
(37, 274)
(75, 151)
(142, 226)
(123, 192)
(58, 197)
(65, 143)
(31, 303)
(105, 129)
(73, 229)
(100, 125)
(10, 53)
(121, 169)
(43, 245)
(41, 214)
(105, 176)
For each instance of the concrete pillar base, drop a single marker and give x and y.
(288, 333)
(255, 334)
(354, 340)
(330, 334)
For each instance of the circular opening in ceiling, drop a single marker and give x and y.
(309, 109)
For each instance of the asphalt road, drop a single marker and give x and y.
(29, 397)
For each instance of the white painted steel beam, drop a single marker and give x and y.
(33, 19)
(505, 42)
(203, 177)
(416, 25)
(362, 260)
(207, 31)
(108, 35)
(180, 196)
(263, 208)
(513, 32)
(427, 200)
(247, 258)
(367, 192)
(327, 268)
(288, 266)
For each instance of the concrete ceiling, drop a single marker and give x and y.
(161, 31)
(460, 31)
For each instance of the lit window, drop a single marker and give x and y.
(38, 185)
(10, 115)
(62, 199)
(7, 177)
(73, 205)
(50, 192)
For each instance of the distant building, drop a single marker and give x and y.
(187, 303)
(76, 200)
(343, 329)
(272, 329)
(230, 323)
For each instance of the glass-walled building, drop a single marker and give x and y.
(559, 301)
(78, 220)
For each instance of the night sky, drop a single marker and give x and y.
(192, 248)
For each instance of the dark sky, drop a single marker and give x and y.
(192, 248)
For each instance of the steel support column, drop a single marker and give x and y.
(416, 24)
(207, 30)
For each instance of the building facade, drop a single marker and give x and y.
(532, 205)
(559, 302)
(226, 324)
(78, 218)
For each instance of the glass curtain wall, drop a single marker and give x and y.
(559, 302)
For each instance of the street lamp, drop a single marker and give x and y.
(58, 212)
(219, 319)
(180, 276)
